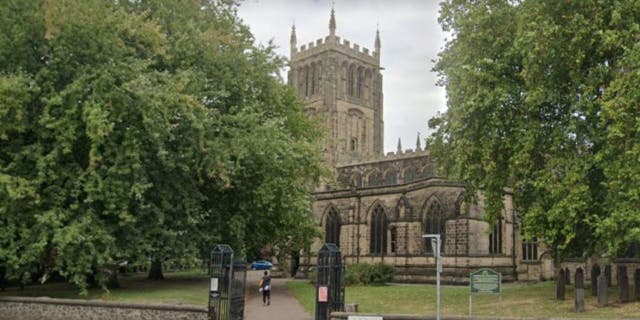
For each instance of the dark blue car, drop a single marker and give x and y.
(261, 265)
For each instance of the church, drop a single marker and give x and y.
(382, 204)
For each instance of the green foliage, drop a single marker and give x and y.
(366, 274)
(541, 100)
(138, 129)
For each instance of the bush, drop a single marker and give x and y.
(366, 274)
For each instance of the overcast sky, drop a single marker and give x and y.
(410, 37)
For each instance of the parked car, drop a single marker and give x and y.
(261, 265)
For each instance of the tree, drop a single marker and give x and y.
(531, 86)
(135, 130)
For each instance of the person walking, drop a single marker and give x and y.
(265, 288)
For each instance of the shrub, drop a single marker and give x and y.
(366, 274)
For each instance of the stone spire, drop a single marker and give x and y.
(418, 147)
(399, 151)
(377, 44)
(294, 40)
(332, 23)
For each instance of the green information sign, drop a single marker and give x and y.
(485, 281)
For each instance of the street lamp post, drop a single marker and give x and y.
(435, 246)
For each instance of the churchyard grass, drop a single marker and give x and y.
(517, 300)
(188, 287)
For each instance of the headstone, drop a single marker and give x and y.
(636, 284)
(623, 284)
(595, 273)
(560, 287)
(351, 307)
(579, 293)
(602, 290)
(567, 275)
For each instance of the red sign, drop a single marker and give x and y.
(323, 294)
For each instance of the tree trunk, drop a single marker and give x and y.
(155, 272)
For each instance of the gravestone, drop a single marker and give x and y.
(636, 284)
(602, 290)
(579, 293)
(560, 286)
(595, 273)
(623, 284)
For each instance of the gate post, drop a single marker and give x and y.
(228, 278)
(330, 282)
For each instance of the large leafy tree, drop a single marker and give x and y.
(540, 100)
(143, 129)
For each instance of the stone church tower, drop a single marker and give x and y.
(341, 84)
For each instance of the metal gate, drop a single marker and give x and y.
(228, 277)
(330, 282)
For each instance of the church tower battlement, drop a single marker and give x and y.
(341, 84)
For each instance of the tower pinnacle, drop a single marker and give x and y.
(293, 40)
(377, 44)
(332, 23)
(418, 147)
(399, 151)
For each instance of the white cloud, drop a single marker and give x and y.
(410, 36)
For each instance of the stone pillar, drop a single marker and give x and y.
(602, 290)
(579, 293)
(560, 286)
(567, 275)
(595, 273)
(636, 284)
(623, 284)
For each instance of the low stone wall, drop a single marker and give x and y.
(345, 316)
(61, 309)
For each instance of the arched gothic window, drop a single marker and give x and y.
(317, 77)
(312, 85)
(351, 80)
(360, 83)
(354, 144)
(378, 228)
(390, 177)
(332, 227)
(435, 223)
(375, 179)
(356, 180)
(410, 174)
(495, 238)
(307, 78)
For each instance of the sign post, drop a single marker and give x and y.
(435, 246)
(484, 281)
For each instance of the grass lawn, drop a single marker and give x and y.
(518, 300)
(177, 288)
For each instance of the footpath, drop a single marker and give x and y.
(284, 305)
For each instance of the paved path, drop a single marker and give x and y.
(284, 305)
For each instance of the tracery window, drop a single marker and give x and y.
(495, 238)
(530, 250)
(390, 177)
(351, 80)
(375, 179)
(332, 227)
(378, 231)
(435, 223)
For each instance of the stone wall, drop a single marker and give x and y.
(12, 308)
